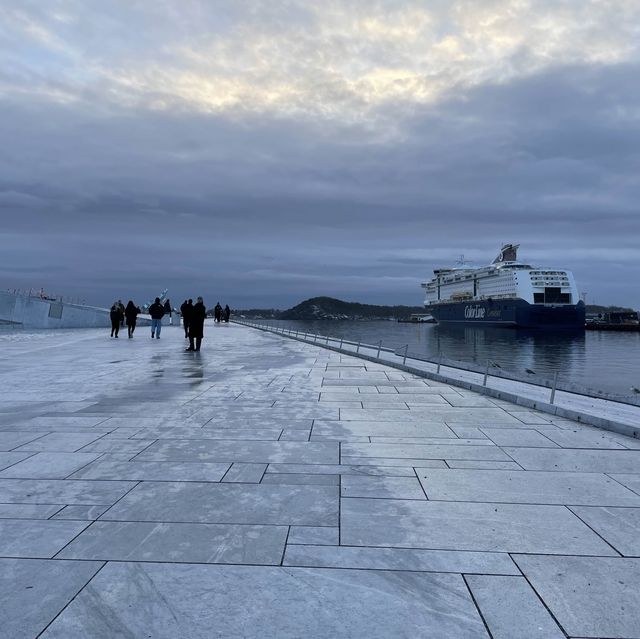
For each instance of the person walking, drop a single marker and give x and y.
(196, 325)
(115, 315)
(156, 310)
(227, 313)
(121, 305)
(168, 311)
(217, 312)
(186, 309)
(131, 314)
(185, 322)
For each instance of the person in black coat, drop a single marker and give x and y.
(227, 313)
(131, 313)
(185, 311)
(116, 316)
(168, 310)
(196, 325)
(217, 312)
(156, 310)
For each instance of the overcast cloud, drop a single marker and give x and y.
(262, 152)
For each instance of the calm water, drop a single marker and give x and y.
(602, 360)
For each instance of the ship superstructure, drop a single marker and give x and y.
(506, 293)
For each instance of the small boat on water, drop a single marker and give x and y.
(419, 318)
(506, 292)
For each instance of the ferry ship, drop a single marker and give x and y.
(505, 293)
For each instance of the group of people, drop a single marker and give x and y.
(119, 314)
(193, 316)
(220, 314)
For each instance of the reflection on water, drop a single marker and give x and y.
(600, 360)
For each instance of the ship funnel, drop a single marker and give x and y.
(508, 253)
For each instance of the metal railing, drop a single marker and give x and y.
(491, 369)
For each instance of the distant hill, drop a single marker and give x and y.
(328, 308)
(595, 309)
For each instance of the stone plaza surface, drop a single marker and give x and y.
(270, 488)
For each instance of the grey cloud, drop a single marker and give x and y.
(105, 201)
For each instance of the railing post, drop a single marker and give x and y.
(341, 342)
(379, 347)
(553, 390)
(327, 342)
(358, 348)
(486, 373)
(439, 362)
(315, 337)
(406, 350)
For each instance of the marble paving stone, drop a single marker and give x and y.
(185, 600)
(228, 503)
(42, 491)
(631, 481)
(340, 469)
(375, 405)
(523, 437)
(34, 591)
(486, 563)
(132, 446)
(530, 417)
(265, 422)
(390, 401)
(362, 383)
(402, 389)
(245, 473)
(340, 438)
(47, 423)
(399, 428)
(61, 442)
(519, 487)
(466, 526)
(84, 513)
(10, 459)
(269, 434)
(582, 438)
(49, 465)
(293, 434)
(424, 451)
(242, 451)
(470, 402)
(489, 465)
(300, 478)
(36, 538)
(468, 432)
(619, 526)
(589, 596)
(434, 413)
(391, 461)
(314, 535)
(511, 608)
(175, 542)
(12, 439)
(152, 471)
(447, 441)
(156, 422)
(381, 487)
(589, 461)
(28, 511)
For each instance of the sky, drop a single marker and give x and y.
(261, 152)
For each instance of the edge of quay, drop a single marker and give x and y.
(574, 414)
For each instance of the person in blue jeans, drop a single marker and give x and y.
(156, 310)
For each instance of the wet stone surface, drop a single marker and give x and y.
(267, 487)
